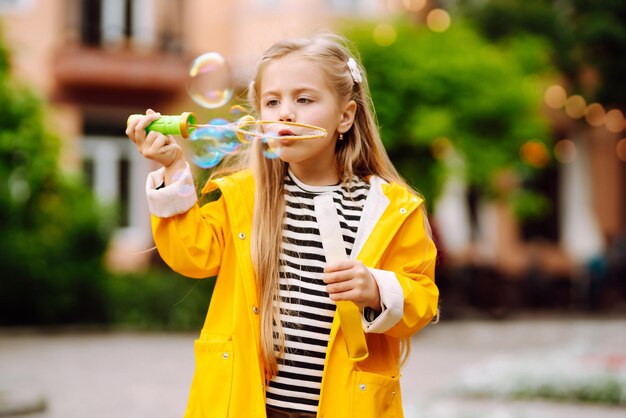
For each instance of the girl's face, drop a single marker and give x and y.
(294, 89)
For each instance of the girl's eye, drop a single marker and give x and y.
(271, 102)
(304, 100)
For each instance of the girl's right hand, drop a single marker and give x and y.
(154, 145)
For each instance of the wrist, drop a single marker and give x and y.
(174, 171)
(375, 304)
(376, 307)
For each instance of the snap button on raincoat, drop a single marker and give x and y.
(229, 380)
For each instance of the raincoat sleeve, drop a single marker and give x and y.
(189, 239)
(411, 256)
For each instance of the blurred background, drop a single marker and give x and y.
(508, 115)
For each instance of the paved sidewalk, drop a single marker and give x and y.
(140, 375)
(441, 353)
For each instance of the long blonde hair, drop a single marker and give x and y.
(361, 153)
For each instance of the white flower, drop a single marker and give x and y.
(354, 70)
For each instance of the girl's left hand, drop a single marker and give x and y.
(351, 280)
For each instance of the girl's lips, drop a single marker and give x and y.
(286, 133)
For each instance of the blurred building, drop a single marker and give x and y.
(98, 61)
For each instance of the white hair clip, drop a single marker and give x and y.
(354, 70)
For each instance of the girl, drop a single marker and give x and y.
(274, 342)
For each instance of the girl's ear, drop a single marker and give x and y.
(347, 117)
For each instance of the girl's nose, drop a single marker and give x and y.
(286, 113)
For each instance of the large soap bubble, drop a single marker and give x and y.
(210, 83)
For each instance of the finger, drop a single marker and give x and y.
(163, 149)
(337, 276)
(159, 140)
(130, 131)
(163, 141)
(149, 118)
(351, 295)
(132, 124)
(130, 128)
(161, 154)
(154, 140)
(140, 128)
(339, 287)
(338, 265)
(169, 139)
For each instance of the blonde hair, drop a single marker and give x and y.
(360, 153)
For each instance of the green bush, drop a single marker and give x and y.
(158, 299)
(53, 232)
(482, 99)
(602, 390)
(54, 236)
(572, 373)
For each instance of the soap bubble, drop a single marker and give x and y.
(211, 142)
(208, 158)
(204, 148)
(272, 147)
(226, 140)
(210, 83)
(238, 111)
(246, 129)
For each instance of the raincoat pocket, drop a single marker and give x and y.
(212, 382)
(376, 396)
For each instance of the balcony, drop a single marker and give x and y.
(87, 74)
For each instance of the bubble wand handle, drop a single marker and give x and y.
(183, 124)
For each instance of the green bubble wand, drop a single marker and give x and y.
(186, 123)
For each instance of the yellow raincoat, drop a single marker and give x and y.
(229, 378)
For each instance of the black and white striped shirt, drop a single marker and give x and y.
(306, 310)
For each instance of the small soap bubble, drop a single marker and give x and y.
(210, 83)
(187, 190)
(226, 139)
(186, 186)
(246, 129)
(271, 154)
(178, 175)
(272, 149)
(207, 159)
(201, 134)
(211, 142)
(238, 111)
(204, 145)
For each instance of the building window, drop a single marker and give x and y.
(91, 13)
(124, 180)
(133, 24)
(116, 173)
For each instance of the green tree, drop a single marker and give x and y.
(584, 36)
(53, 233)
(433, 90)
